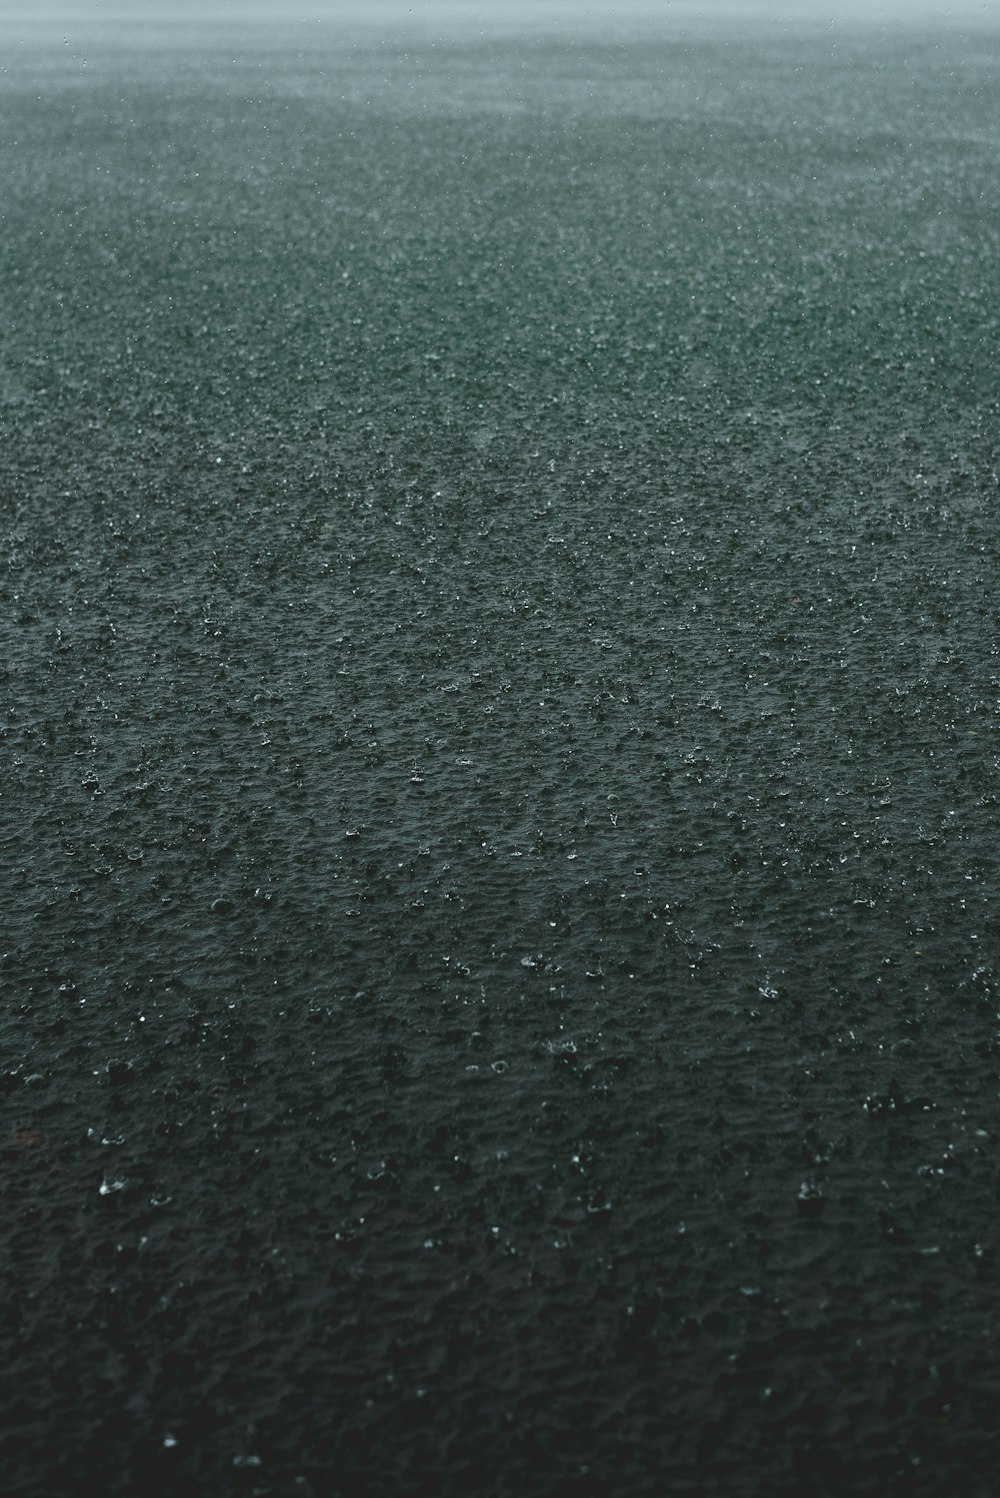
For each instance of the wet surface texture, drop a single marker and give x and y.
(498, 714)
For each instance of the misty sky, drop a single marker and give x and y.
(125, 22)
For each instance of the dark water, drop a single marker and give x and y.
(499, 739)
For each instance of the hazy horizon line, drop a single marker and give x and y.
(57, 22)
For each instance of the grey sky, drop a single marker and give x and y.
(137, 22)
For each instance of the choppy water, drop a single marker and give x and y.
(499, 705)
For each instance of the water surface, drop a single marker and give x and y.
(499, 707)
